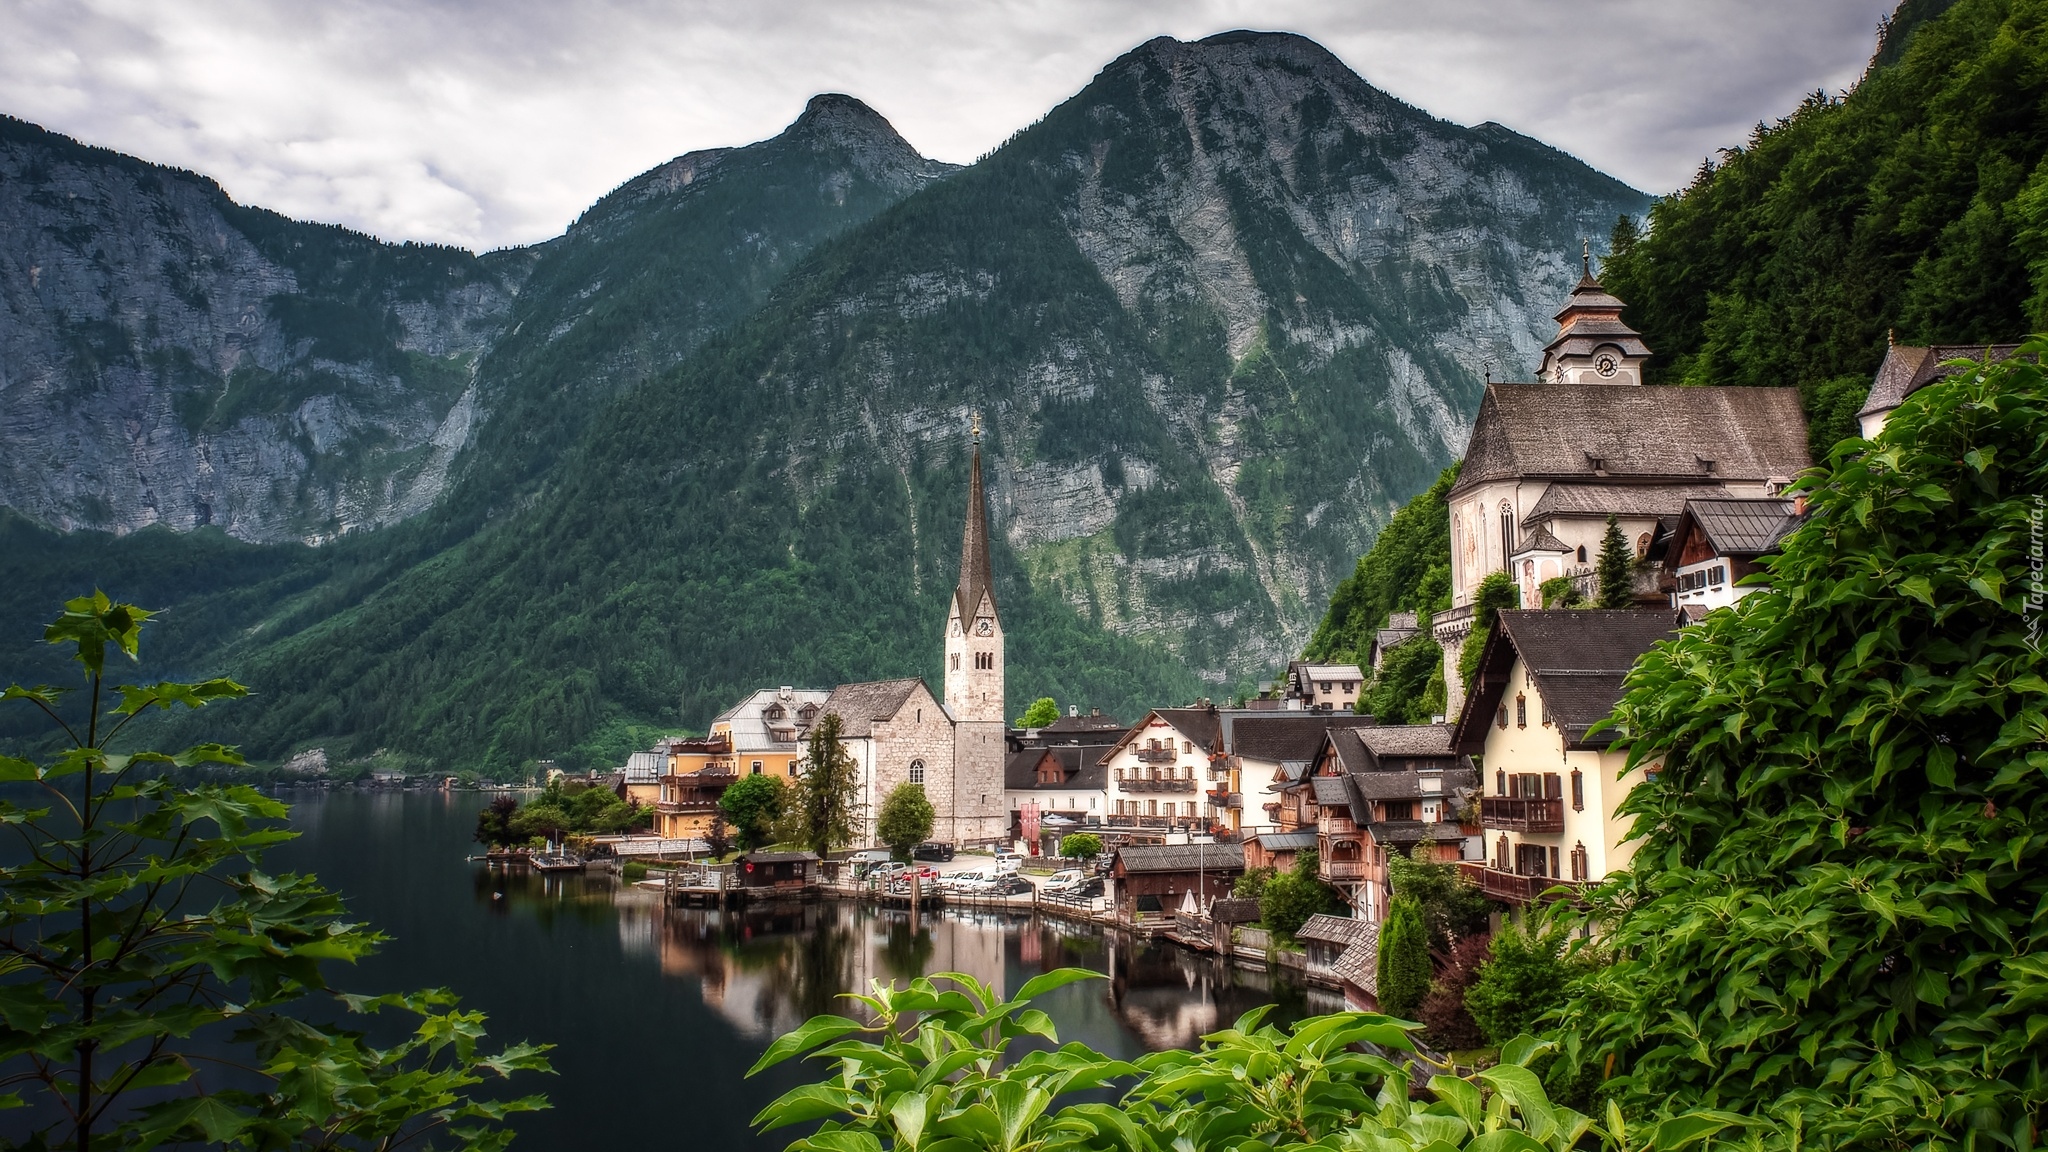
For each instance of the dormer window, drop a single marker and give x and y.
(774, 712)
(807, 713)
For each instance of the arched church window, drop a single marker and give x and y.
(1582, 553)
(917, 771)
(1507, 532)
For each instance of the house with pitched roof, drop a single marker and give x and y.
(1322, 687)
(1261, 750)
(1907, 368)
(1716, 544)
(1157, 770)
(1401, 628)
(1552, 787)
(1375, 792)
(1057, 771)
(1548, 462)
(766, 732)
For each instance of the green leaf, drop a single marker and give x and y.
(811, 1033)
(1045, 982)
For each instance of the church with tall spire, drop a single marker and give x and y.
(898, 732)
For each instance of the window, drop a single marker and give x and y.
(1717, 576)
(956, 661)
(917, 771)
(1152, 807)
(792, 767)
(1582, 553)
(757, 767)
(1521, 711)
(809, 712)
(1507, 533)
(1500, 783)
(1187, 809)
(1500, 854)
(1503, 714)
(1581, 866)
(1554, 874)
(1544, 710)
(984, 660)
(1091, 803)
(1187, 746)
(774, 712)
(1578, 790)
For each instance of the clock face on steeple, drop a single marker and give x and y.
(1606, 365)
(983, 627)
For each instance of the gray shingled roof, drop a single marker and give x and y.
(1560, 430)
(1081, 768)
(1181, 857)
(1414, 832)
(1600, 500)
(1577, 657)
(1334, 929)
(1286, 736)
(860, 705)
(1909, 368)
(1286, 841)
(1407, 739)
(1330, 790)
(1742, 527)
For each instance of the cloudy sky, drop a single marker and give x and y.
(493, 122)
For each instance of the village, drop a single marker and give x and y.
(1514, 783)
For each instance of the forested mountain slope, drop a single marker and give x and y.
(1914, 207)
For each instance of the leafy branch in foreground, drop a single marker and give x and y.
(945, 1084)
(144, 955)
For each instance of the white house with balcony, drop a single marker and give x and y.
(1159, 771)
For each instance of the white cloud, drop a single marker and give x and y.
(488, 124)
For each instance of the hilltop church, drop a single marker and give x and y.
(897, 731)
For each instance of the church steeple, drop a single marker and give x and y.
(1593, 346)
(974, 631)
(975, 582)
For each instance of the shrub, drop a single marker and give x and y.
(1452, 906)
(1834, 911)
(633, 871)
(1080, 845)
(1445, 1020)
(1527, 974)
(1252, 884)
(1291, 897)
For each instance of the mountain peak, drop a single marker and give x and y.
(836, 114)
(1243, 45)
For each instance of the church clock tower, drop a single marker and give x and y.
(974, 631)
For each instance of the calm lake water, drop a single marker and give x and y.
(657, 1014)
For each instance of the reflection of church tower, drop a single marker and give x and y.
(974, 633)
(974, 679)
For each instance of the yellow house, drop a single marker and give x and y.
(696, 776)
(1550, 790)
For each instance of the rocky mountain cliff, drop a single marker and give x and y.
(168, 356)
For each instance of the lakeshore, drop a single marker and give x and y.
(640, 998)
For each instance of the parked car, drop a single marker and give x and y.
(932, 850)
(972, 883)
(1012, 885)
(1061, 882)
(1007, 863)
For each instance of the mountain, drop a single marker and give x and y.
(1222, 312)
(168, 356)
(1914, 207)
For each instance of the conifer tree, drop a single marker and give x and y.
(828, 791)
(1617, 568)
(1404, 960)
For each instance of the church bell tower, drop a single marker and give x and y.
(974, 632)
(1593, 345)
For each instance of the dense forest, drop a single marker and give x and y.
(1914, 207)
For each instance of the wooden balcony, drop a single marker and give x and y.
(1225, 798)
(1509, 888)
(1143, 784)
(1346, 869)
(1156, 755)
(1522, 813)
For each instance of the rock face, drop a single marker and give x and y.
(170, 357)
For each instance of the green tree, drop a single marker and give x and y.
(1291, 897)
(754, 804)
(1528, 973)
(1409, 686)
(1408, 568)
(1834, 910)
(1080, 846)
(827, 792)
(905, 820)
(143, 938)
(1252, 884)
(1043, 711)
(1451, 905)
(1617, 568)
(494, 823)
(1496, 592)
(1404, 960)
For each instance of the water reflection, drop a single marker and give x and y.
(766, 969)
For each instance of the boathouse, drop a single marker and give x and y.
(1152, 879)
(776, 869)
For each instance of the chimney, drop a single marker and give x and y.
(1073, 709)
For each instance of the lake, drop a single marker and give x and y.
(656, 1014)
